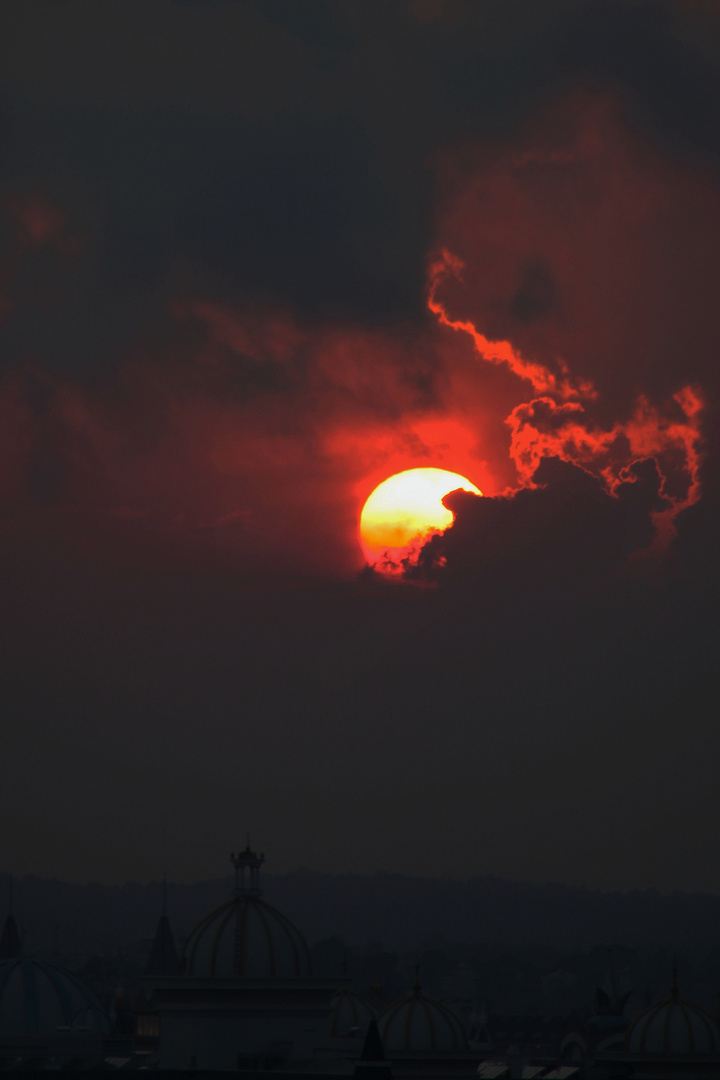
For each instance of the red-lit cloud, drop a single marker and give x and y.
(568, 317)
(555, 423)
(577, 260)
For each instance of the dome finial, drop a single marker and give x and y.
(10, 940)
(674, 991)
(611, 974)
(249, 861)
(416, 983)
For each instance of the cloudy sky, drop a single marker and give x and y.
(256, 256)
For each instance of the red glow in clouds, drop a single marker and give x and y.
(574, 317)
(555, 423)
(500, 352)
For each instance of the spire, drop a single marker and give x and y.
(372, 1064)
(10, 941)
(608, 999)
(373, 1048)
(163, 959)
(247, 870)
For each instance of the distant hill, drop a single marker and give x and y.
(386, 910)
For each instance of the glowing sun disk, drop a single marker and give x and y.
(406, 509)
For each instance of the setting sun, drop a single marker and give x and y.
(405, 510)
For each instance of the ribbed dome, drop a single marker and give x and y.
(673, 1026)
(417, 1024)
(246, 937)
(350, 1010)
(37, 998)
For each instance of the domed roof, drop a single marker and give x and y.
(673, 1026)
(37, 998)
(246, 936)
(350, 1010)
(417, 1024)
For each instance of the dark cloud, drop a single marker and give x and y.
(562, 534)
(536, 294)
(288, 154)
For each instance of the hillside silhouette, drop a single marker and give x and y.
(386, 910)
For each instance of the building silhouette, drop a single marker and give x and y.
(241, 997)
(47, 1015)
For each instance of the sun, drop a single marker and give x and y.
(405, 510)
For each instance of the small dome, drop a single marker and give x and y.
(417, 1024)
(350, 1010)
(37, 998)
(673, 1026)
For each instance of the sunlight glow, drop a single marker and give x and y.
(405, 510)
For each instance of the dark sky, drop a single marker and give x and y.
(255, 257)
